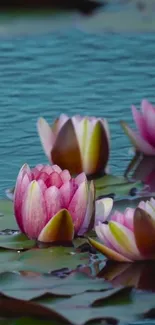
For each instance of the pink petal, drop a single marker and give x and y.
(101, 231)
(36, 170)
(123, 240)
(148, 111)
(61, 121)
(140, 122)
(142, 205)
(89, 219)
(80, 178)
(65, 176)
(118, 217)
(110, 241)
(108, 252)
(67, 191)
(145, 106)
(53, 201)
(46, 136)
(42, 175)
(138, 142)
(23, 180)
(33, 210)
(54, 179)
(35, 173)
(150, 124)
(128, 218)
(148, 206)
(42, 185)
(39, 167)
(48, 169)
(103, 209)
(56, 168)
(152, 201)
(125, 219)
(78, 206)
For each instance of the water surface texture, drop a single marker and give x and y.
(71, 72)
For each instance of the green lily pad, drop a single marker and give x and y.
(116, 185)
(7, 259)
(79, 309)
(51, 259)
(16, 241)
(7, 220)
(46, 260)
(32, 286)
(15, 285)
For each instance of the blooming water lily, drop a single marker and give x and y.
(77, 144)
(128, 236)
(144, 139)
(50, 205)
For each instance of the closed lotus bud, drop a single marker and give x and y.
(79, 144)
(50, 205)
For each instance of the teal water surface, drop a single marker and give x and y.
(69, 72)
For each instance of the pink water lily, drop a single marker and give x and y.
(50, 205)
(144, 139)
(128, 236)
(79, 144)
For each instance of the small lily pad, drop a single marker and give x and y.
(116, 186)
(7, 219)
(50, 259)
(16, 241)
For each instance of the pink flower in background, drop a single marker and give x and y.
(79, 144)
(51, 206)
(144, 139)
(128, 236)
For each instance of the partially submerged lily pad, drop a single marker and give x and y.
(116, 186)
(16, 242)
(7, 220)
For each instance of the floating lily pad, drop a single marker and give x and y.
(50, 259)
(30, 287)
(46, 260)
(16, 241)
(116, 186)
(79, 309)
(7, 259)
(7, 220)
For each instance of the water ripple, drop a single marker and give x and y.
(69, 72)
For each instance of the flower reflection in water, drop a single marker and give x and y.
(139, 275)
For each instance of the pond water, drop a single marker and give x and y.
(71, 72)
